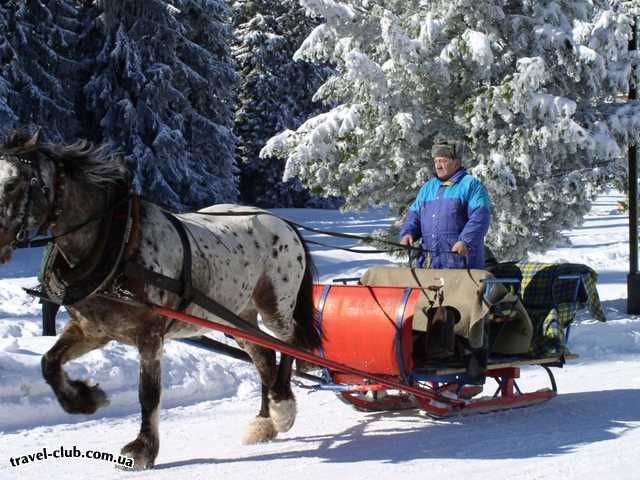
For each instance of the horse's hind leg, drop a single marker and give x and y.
(282, 401)
(261, 428)
(75, 396)
(144, 448)
(277, 313)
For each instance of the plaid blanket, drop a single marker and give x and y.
(552, 295)
(546, 286)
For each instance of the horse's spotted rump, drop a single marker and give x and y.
(264, 297)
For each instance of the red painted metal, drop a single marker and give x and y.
(275, 344)
(359, 383)
(507, 396)
(466, 392)
(509, 401)
(385, 403)
(369, 328)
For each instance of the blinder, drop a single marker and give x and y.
(36, 184)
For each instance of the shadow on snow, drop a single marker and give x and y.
(555, 428)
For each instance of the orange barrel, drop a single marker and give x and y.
(368, 328)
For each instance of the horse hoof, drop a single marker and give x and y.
(83, 398)
(306, 367)
(260, 430)
(282, 413)
(143, 453)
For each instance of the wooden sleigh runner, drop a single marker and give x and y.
(457, 397)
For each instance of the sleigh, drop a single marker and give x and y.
(463, 335)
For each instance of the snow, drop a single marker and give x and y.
(480, 47)
(590, 430)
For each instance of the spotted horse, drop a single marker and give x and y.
(249, 263)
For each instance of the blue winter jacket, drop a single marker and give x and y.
(447, 211)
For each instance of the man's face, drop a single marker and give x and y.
(446, 167)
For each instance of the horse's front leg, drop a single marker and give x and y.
(75, 396)
(144, 448)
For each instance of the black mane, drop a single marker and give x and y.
(95, 164)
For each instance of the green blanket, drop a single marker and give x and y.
(552, 295)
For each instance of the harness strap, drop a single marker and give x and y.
(187, 292)
(354, 250)
(138, 272)
(71, 284)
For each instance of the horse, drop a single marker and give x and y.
(252, 264)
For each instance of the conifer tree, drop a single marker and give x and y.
(162, 90)
(275, 93)
(38, 74)
(531, 85)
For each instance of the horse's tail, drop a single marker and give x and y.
(307, 328)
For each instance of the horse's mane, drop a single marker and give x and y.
(95, 164)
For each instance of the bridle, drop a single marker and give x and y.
(37, 183)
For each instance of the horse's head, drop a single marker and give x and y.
(26, 177)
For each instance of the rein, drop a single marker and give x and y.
(363, 238)
(22, 242)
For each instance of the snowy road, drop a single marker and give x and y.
(592, 430)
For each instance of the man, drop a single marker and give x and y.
(451, 214)
(49, 312)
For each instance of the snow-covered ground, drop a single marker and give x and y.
(590, 430)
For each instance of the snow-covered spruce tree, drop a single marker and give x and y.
(275, 93)
(163, 92)
(531, 84)
(39, 78)
(8, 118)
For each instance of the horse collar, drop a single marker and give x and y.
(67, 284)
